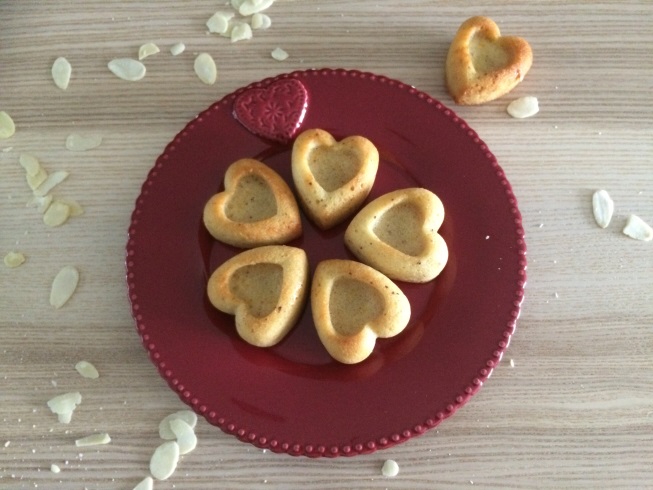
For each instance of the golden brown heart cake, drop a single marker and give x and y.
(482, 65)
(397, 234)
(332, 178)
(265, 288)
(354, 304)
(256, 208)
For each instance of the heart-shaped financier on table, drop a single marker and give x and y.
(482, 65)
(265, 288)
(256, 208)
(275, 112)
(352, 305)
(397, 234)
(332, 178)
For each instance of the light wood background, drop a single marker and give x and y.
(575, 411)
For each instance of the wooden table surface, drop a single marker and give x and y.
(571, 404)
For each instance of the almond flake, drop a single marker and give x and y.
(87, 370)
(56, 214)
(164, 460)
(145, 484)
(93, 440)
(185, 435)
(165, 432)
(638, 229)
(177, 49)
(78, 142)
(30, 163)
(34, 181)
(147, 49)
(64, 405)
(219, 22)
(240, 32)
(205, 68)
(603, 208)
(7, 126)
(53, 180)
(55, 468)
(249, 7)
(127, 68)
(63, 286)
(61, 71)
(523, 107)
(74, 207)
(41, 203)
(279, 54)
(14, 259)
(237, 3)
(260, 21)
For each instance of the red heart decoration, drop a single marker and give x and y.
(274, 112)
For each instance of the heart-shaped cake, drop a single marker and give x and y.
(482, 65)
(265, 288)
(397, 234)
(275, 112)
(354, 304)
(256, 208)
(332, 178)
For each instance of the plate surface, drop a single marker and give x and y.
(293, 397)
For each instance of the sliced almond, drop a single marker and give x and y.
(145, 484)
(64, 405)
(236, 3)
(127, 68)
(61, 71)
(75, 208)
(165, 432)
(30, 163)
(241, 31)
(53, 180)
(63, 286)
(87, 370)
(638, 229)
(34, 181)
(14, 259)
(177, 49)
(41, 203)
(279, 54)
(260, 21)
(93, 440)
(79, 142)
(185, 435)
(603, 208)
(164, 460)
(523, 107)
(7, 126)
(219, 22)
(56, 214)
(249, 7)
(55, 468)
(147, 49)
(205, 68)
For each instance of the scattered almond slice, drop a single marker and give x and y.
(205, 68)
(14, 259)
(63, 286)
(34, 181)
(74, 207)
(64, 405)
(250, 7)
(638, 229)
(237, 3)
(147, 49)
(55, 468)
(219, 22)
(93, 440)
(523, 107)
(56, 214)
(240, 32)
(127, 69)
(185, 435)
(79, 142)
(260, 21)
(52, 180)
(145, 484)
(7, 126)
(177, 49)
(603, 207)
(41, 203)
(279, 54)
(164, 460)
(87, 370)
(30, 163)
(165, 432)
(61, 71)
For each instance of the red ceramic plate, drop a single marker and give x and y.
(293, 397)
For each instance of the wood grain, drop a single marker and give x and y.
(575, 411)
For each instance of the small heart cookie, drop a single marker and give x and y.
(354, 304)
(482, 65)
(332, 178)
(256, 208)
(397, 234)
(275, 112)
(265, 288)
